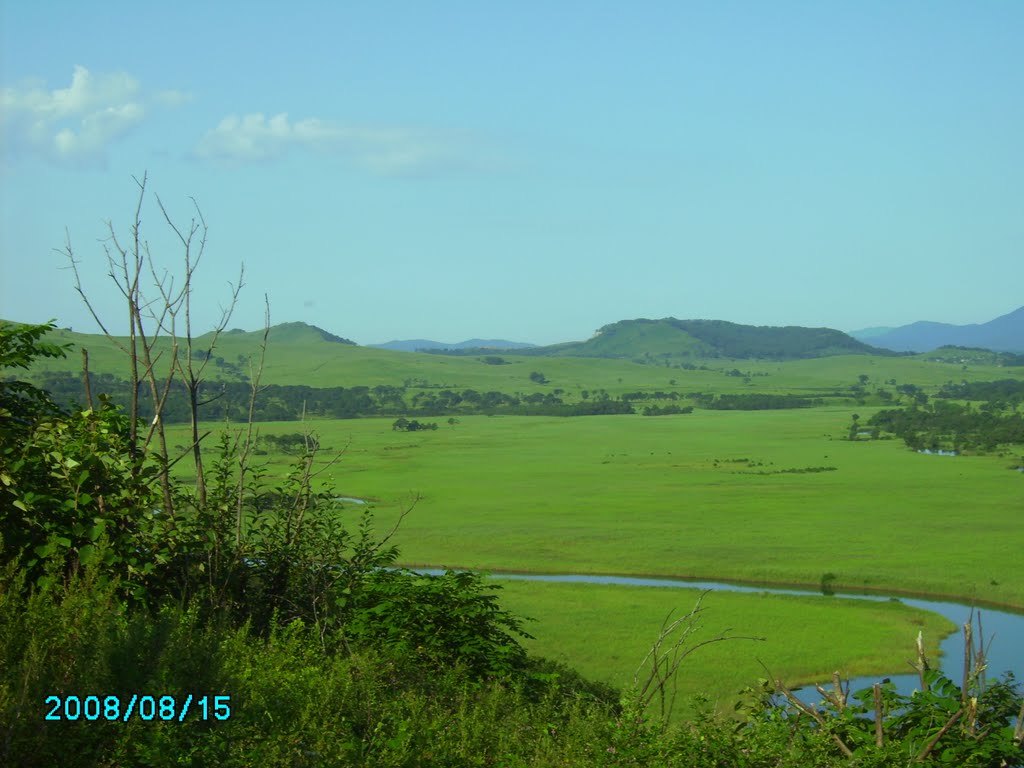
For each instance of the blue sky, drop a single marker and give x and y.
(528, 170)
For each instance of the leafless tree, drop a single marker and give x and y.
(157, 318)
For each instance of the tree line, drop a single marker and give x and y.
(947, 425)
(231, 400)
(753, 401)
(1002, 393)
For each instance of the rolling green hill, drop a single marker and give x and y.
(304, 355)
(669, 338)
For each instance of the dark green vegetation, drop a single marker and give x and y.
(946, 425)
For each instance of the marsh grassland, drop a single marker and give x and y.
(767, 496)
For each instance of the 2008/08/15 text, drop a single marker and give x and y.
(144, 707)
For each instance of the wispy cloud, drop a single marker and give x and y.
(76, 124)
(382, 151)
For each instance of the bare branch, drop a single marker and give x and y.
(73, 266)
(664, 664)
(942, 732)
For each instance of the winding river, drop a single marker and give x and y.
(1004, 629)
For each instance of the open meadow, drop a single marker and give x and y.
(765, 496)
(768, 496)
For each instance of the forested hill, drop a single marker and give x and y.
(291, 333)
(671, 338)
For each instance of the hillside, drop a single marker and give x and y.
(669, 338)
(292, 332)
(303, 355)
(1003, 334)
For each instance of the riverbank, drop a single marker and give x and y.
(836, 588)
(852, 634)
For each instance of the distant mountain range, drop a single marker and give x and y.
(1004, 334)
(414, 345)
(662, 341)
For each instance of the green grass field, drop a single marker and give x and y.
(713, 494)
(605, 631)
(702, 495)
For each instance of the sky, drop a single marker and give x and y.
(528, 171)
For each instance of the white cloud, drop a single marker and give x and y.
(383, 151)
(76, 124)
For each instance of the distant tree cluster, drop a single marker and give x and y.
(229, 400)
(666, 410)
(913, 391)
(946, 425)
(1002, 393)
(658, 395)
(754, 402)
(975, 355)
(295, 443)
(405, 425)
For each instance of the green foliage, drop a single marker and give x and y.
(440, 620)
(1002, 393)
(73, 483)
(294, 701)
(666, 410)
(945, 424)
(938, 725)
(73, 491)
(22, 404)
(403, 424)
(21, 344)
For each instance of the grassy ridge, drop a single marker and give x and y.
(301, 355)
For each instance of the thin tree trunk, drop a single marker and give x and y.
(86, 384)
